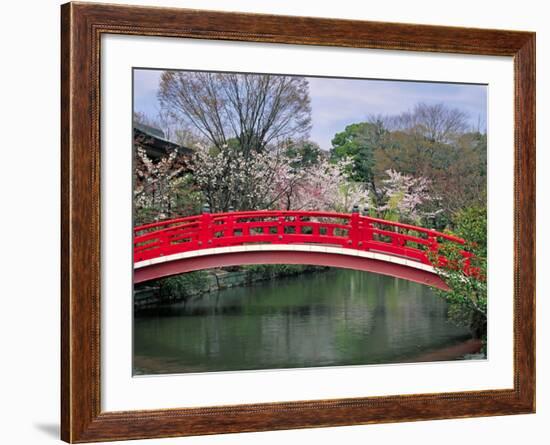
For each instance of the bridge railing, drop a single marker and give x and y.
(345, 230)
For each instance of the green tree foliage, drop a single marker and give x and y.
(457, 170)
(183, 286)
(165, 194)
(308, 152)
(467, 296)
(359, 142)
(430, 142)
(471, 224)
(258, 272)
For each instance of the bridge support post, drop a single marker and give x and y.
(229, 226)
(205, 232)
(433, 249)
(280, 227)
(164, 244)
(355, 232)
(398, 241)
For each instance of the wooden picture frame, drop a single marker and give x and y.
(82, 26)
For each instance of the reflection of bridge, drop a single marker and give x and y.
(343, 240)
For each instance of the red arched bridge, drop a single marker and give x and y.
(347, 240)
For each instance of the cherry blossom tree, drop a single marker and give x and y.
(273, 179)
(161, 189)
(321, 186)
(230, 178)
(405, 196)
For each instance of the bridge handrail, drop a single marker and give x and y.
(218, 230)
(356, 231)
(166, 222)
(273, 213)
(429, 232)
(173, 224)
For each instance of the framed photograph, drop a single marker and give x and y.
(274, 222)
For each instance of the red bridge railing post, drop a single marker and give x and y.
(205, 232)
(367, 233)
(354, 232)
(164, 242)
(365, 230)
(229, 225)
(280, 227)
(433, 248)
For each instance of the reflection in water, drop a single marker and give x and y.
(340, 317)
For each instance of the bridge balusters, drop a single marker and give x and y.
(280, 227)
(164, 244)
(366, 233)
(315, 229)
(433, 248)
(227, 232)
(360, 234)
(205, 231)
(354, 232)
(246, 231)
(397, 239)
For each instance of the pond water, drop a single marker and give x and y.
(333, 318)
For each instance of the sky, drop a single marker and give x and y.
(337, 102)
